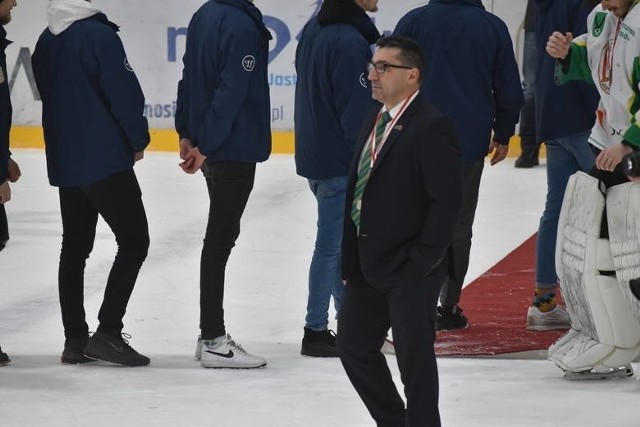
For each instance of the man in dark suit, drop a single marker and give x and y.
(403, 199)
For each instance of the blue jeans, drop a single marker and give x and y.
(565, 156)
(325, 279)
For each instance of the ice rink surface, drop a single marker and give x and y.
(265, 305)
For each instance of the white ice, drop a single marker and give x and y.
(265, 305)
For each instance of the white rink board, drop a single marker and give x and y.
(153, 34)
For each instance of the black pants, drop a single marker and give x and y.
(461, 246)
(118, 200)
(408, 305)
(229, 184)
(4, 227)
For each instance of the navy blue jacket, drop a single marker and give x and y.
(5, 107)
(332, 91)
(471, 73)
(570, 108)
(223, 102)
(92, 103)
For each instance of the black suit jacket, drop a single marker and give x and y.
(412, 199)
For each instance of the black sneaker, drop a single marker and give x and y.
(449, 318)
(319, 343)
(634, 284)
(73, 351)
(527, 160)
(114, 349)
(4, 358)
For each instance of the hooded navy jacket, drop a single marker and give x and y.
(570, 108)
(92, 103)
(471, 73)
(223, 98)
(332, 90)
(5, 107)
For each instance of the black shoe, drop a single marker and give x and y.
(527, 160)
(449, 318)
(4, 358)
(114, 349)
(3, 244)
(635, 287)
(73, 351)
(319, 343)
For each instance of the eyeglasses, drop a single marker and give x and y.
(381, 67)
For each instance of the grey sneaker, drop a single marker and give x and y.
(224, 352)
(558, 318)
(198, 355)
(114, 349)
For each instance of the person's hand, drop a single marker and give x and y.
(499, 152)
(610, 157)
(193, 160)
(138, 155)
(185, 146)
(558, 44)
(14, 171)
(5, 192)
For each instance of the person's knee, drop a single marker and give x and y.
(75, 250)
(222, 240)
(136, 247)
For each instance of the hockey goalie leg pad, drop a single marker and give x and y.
(578, 231)
(585, 269)
(623, 212)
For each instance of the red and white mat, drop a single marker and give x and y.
(496, 305)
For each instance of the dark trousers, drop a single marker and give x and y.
(528, 141)
(118, 200)
(461, 246)
(229, 184)
(4, 227)
(407, 305)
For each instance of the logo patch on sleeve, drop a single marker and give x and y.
(249, 62)
(127, 65)
(363, 80)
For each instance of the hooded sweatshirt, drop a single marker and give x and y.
(92, 103)
(608, 55)
(332, 91)
(471, 73)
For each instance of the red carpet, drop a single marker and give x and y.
(496, 305)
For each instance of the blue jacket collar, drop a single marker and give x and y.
(249, 8)
(347, 12)
(543, 4)
(101, 17)
(476, 3)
